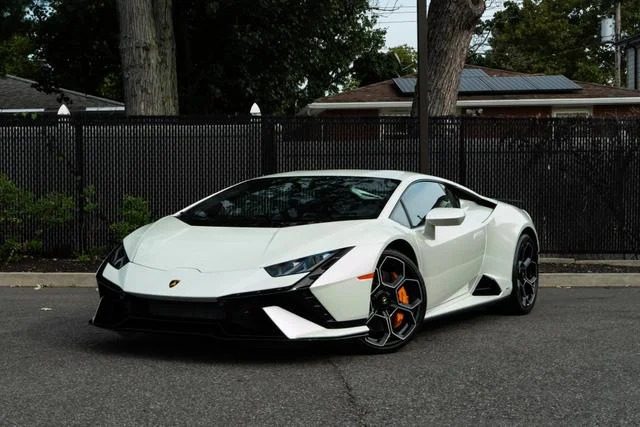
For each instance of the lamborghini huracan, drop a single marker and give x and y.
(365, 256)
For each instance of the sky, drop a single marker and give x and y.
(401, 23)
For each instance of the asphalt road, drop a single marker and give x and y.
(574, 360)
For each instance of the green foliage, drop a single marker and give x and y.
(278, 53)
(134, 214)
(53, 209)
(15, 203)
(556, 37)
(78, 42)
(18, 206)
(84, 257)
(230, 53)
(376, 66)
(15, 43)
(89, 195)
(15, 56)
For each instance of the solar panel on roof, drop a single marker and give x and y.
(552, 83)
(473, 81)
(509, 84)
(473, 72)
(473, 85)
(517, 84)
(406, 85)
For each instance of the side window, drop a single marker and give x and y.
(421, 197)
(455, 200)
(400, 216)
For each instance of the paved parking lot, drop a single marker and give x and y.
(574, 360)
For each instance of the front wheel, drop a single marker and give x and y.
(397, 305)
(525, 277)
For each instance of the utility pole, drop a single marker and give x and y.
(423, 94)
(617, 44)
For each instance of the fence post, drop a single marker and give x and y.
(462, 154)
(79, 176)
(267, 145)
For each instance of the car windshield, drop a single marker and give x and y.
(295, 200)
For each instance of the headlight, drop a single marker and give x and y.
(118, 258)
(300, 265)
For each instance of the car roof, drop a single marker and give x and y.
(388, 174)
(403, 176)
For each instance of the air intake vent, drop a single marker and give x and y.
(487, 286)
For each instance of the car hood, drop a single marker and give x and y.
(170, 244)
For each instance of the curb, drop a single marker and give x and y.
(47, 280)
(590, 280)
(547, 280)
(611, 262)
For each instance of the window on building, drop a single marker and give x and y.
(572, 112)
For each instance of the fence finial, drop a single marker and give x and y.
(63, 111)
(255, 110)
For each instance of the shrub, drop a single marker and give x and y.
(134, 214)
(17, 207)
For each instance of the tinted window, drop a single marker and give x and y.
(421, 197)
(400, 216)
(282, 202)
(455, 201)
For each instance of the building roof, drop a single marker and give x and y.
(387, 91)
(630, 41)
(19, 95)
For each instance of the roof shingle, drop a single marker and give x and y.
(19, 93)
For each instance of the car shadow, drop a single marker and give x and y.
(204, 349)
(455, 320)
(72, 332)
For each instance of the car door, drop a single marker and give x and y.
(452, 259)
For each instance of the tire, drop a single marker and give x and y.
(397, 306)
(525, 279)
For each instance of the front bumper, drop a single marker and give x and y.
(281, 314)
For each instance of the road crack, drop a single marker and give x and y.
(357, 408)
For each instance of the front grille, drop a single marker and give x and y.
(235, 316)
(206, 318)
(178, 310)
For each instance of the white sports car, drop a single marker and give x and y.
(346, 254)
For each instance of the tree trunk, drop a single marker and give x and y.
(451, 24)
(148, 53)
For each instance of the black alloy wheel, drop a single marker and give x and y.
(398, 303)
(525, 277)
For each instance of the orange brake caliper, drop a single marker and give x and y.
(403, 298)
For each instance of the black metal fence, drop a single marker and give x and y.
(578, 178)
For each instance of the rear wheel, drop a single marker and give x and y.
(525, 277)
(398, 303)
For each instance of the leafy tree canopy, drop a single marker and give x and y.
(77, 43)
(555, 37)
(230, 53)
(375, 66)
(16, 47)
(278, 53)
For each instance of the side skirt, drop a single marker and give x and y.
(462, 304)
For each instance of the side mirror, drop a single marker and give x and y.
(442, 217)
